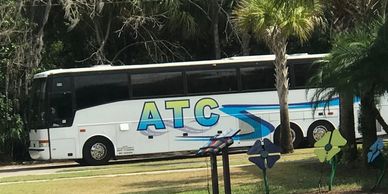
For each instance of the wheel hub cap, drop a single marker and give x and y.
(98, 151)
(319, 132)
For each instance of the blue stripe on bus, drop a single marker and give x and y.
(193, 139)
(302, 105)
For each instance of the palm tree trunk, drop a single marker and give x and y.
(347, 125)
(279, 48)
(368, 122)
(285, 133)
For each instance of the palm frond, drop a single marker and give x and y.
(341, 70)
(262, 16)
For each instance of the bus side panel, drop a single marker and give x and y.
(141, 142)
(187, 137)
(125, 136)
(133, 139)
(96, 121)
(306, 116)
(120, 121)
(63, 143)
(136, 142)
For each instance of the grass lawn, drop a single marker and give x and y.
(299, 172)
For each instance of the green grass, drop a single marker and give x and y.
(299, 172)
(239, 159)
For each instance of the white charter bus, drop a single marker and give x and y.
(94, 114)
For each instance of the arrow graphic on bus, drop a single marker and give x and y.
(261, 128)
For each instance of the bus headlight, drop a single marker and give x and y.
(43, 143)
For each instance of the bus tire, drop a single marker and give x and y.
(80, 162)
(317, 130)
(97, 151)
(296, 132)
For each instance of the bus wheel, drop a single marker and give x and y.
(81, 162)
(97, 151)
(317, 130)
(296, 135)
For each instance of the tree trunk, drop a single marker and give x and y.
(279, 48)
(37, 43)
(215, 9)
(368, 122)
(285, 133)
(381, 120)
(347, 125)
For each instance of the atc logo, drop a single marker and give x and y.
(151, 116)
(204, 113)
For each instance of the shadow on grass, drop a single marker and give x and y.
(302, 176)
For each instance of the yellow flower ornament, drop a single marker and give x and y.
(327, 148)
(328, 145)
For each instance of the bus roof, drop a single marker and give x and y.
(224, 61)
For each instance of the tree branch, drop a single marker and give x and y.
(380, 119)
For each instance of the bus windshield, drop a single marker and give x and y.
(38, 104)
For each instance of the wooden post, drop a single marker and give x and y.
(213, 161)
(225, 162)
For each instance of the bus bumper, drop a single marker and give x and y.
(41, 153)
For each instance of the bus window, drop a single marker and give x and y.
(157, 84)
(61, 106)
(98, 89)
(300, 74)
(258, 78)
(37, 114)
(220, 80)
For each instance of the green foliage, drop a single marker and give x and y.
(352, 67)
(14, 27)
(262, 17)
(12, 133)
(52, 55)
(181, 17)
(337, 72)
(373, 67)
(348, 14)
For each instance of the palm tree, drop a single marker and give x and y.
(345, 16)
(371, 76)
(275, 22)
(355, 66)
(335, 77)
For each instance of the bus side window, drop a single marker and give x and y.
(157, 84)
(215, 80)
(98, 89)
(258, 78)
(301, 73)
(61, 106)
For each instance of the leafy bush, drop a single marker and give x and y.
(13, 136)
